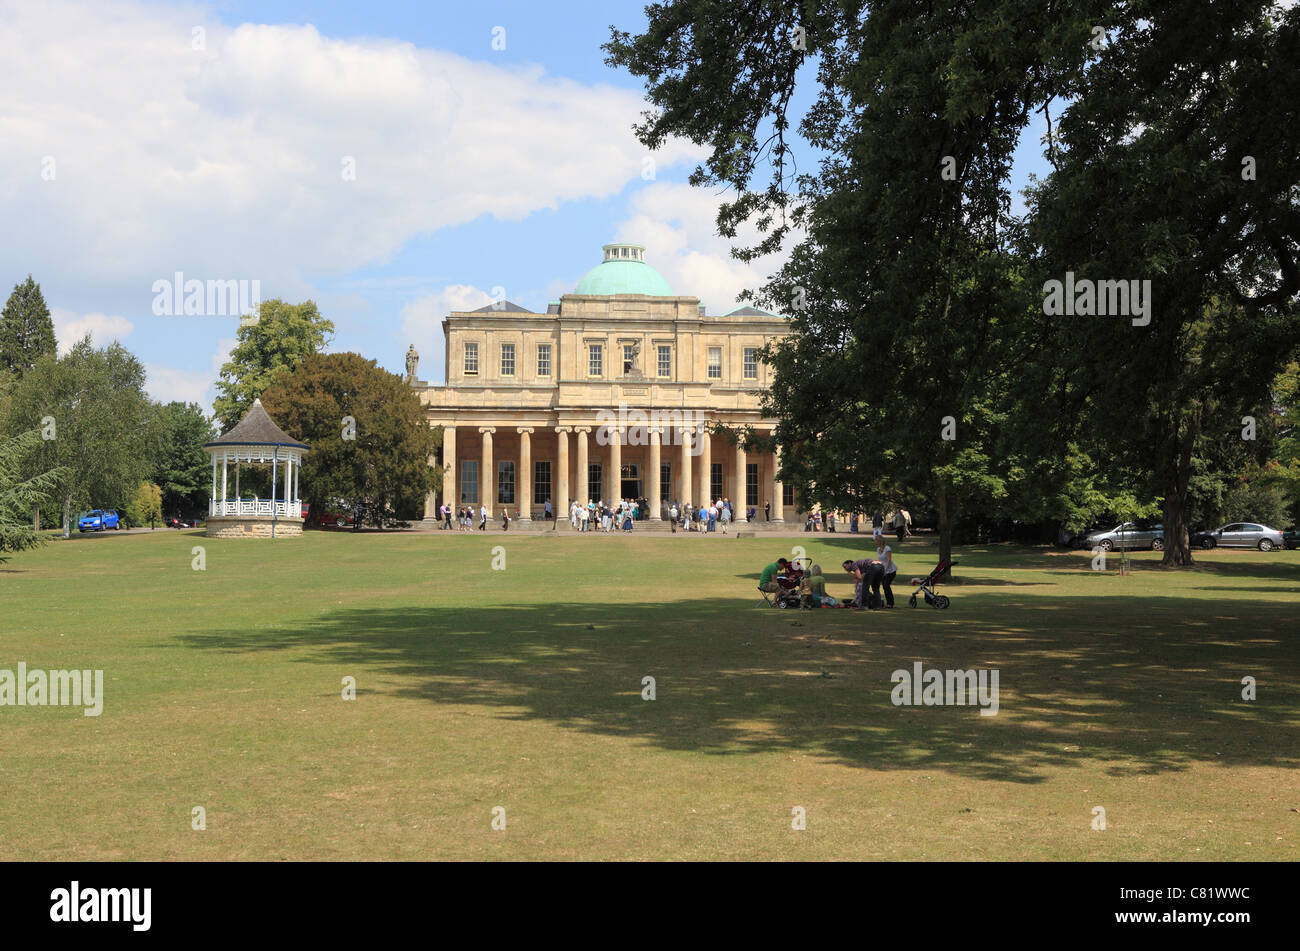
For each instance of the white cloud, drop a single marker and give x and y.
(226, 163)
(165, 384)
(70, 327)
(678, 225)
(422, 324)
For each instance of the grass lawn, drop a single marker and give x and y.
(521, 688)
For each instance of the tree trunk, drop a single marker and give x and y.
(36, 519)
(945, 530)
(67, 516)
(1178, 547)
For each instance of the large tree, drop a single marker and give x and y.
(26, 330)
(270, 346)
(20, 489)
(97, 424)
(1177, 165)
(904, 291)
(370, 441)
(182, 470)
(908, 288)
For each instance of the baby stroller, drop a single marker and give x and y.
(787, 593)
(927, 585)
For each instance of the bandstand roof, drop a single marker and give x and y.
(257, 428)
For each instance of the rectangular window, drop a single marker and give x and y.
(751, 363)
(787, 494)
(543, 359)
(629, 359)
(541, 483)
(595, 359)
(715, 481)
(715, 363)
(505, 483)
(595, 490)
(471, 359)
(507, 359)
(665, 361)
(469, 481)
(751, 484)
(665, 482)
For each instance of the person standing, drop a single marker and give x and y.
(672, 518)
(877, 525)
(505, 520)
(482, 525)
(548, 512)
(767, 511)
(885, 555)
(900, 523)
(724, 515)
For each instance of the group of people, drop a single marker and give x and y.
(900, 520)
(466, 517)
(869, 576)
(706, 517)
(608, 518)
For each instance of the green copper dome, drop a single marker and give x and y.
(624, 271)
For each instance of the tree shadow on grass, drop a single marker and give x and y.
(1156, 688)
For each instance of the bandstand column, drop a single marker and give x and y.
(225, 466)
(525, 480)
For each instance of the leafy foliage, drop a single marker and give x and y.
(26, 330)
(282, 336)
(20, 492)
(387, 466)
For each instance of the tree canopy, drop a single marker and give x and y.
(370, 442)
(26, 330)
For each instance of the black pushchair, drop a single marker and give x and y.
(787, 583)
(927, 585)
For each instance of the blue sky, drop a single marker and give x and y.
(139, 139)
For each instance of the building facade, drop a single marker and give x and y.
(613, 393)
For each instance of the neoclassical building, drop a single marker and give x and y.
(610, 394)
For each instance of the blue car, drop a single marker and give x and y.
(98, 520)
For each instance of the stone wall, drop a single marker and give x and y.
(250, 527)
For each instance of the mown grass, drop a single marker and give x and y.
(522, 688)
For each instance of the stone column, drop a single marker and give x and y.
(562, 474)
(449, 466)
(525, 480)
(582, 463)
(655, 487)
(706, 465)
(778, 492)
(740, 498)
(684, 477)
(615, 481)
(486, 477)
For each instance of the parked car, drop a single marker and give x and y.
(1291, 537)
(1129, 536)
(1241, 535)
(334, 519)
(98, 520)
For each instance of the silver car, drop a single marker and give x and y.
(1241, 535)
(1129, 536)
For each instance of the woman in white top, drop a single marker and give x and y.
(885, 555)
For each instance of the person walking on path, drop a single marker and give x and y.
(900, 523)
(672, 518)
(877, 525)
(482, 525)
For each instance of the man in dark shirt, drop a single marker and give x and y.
(867, 574)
